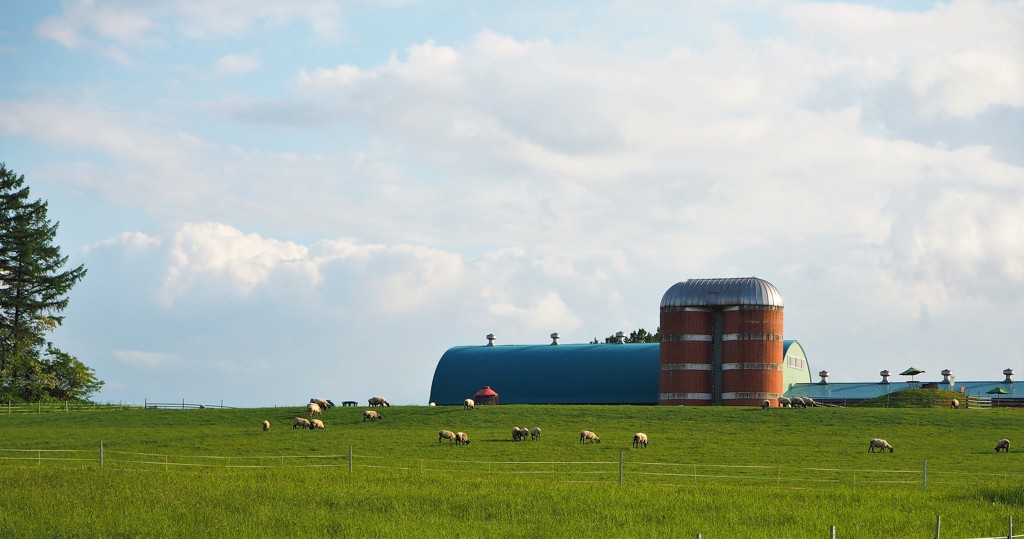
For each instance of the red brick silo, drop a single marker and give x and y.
(721, 342)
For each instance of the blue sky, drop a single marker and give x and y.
(284, 200)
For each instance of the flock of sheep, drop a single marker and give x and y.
(316, 407)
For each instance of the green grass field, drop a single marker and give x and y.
(721, 472)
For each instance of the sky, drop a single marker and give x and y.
(281, 200)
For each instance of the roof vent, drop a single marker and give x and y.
(554, 339)
(490, 339)
(884, 374)
(1008, 373)
(620, 337)
(947, 377)
(824, 377)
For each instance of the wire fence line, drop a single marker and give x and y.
(621, 470)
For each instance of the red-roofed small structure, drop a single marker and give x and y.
(486, 396)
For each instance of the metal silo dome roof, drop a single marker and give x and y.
(722, 292)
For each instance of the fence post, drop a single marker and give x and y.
(620, 466)
(938, 525)
(924, 475)
(350, 458)
(832, 532)
(1009, 534)
(101, 454)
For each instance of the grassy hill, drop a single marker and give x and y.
(914, 398)
(722, 472)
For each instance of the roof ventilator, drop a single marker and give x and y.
(620, 337)
(490, 339)
(947, 377)
(824, 378)
(1008, 373)
(884, 374)
(554, 339)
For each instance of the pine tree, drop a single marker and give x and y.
(34, 290)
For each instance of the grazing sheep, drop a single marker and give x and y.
(955, 404)
(881, 444)
(433, 404)
(639, 439)
(379, 401)
(1003, 444)
(300, 422)
(266, 425)
(520, 433)
(784, 402)
(535, 433)
(370, 415)
(589, 437)
(313, 409)
(765, 404)
(316, 424)
(810, 402)
(469, 404)
(445, 435)
(461, 438)
(322, 403)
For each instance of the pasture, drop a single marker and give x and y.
(722, 472)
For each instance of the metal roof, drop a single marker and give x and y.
(547, 374)
(722, 292)
(870, 390)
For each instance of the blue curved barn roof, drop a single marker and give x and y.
(547, 374)
(722, 293)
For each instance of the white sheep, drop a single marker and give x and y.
(316, 424)
(784, 402)
(379, 401)
(798, 402)
(955, 404)
(589, 436)
(881, 444)
(461, 438)
(469, 404)
(313, 409)
(445, 435)
(1003, 444)
(810, 402)
(765, 404)
(535, 433)
(322, 403)
(639, 439)
(520, 433)
(300, 422)
(370, 415)
(266, 425)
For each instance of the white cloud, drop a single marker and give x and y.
(234, 64)
(140, 358)
(133, 241)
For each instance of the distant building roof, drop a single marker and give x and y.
(722, 292)
(869, 390)
(546, 374)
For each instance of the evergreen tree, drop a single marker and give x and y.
(34, 290)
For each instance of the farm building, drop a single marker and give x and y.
(721, 344)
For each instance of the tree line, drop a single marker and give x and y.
(639, 336)
(34, 287)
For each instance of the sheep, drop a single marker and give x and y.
(1003, 444)
(370, 415)
(379, 401)
(954, 404)
(469, 404)
(316, 424)
(535, 433)
(784, 402)
(313, 409)
(589, 437)
(765, 404)
(810, 402)
(445, 435)
(266, 425)
(301, 422)
(881, 444)
(322, 403)
(461, 438)
(639, 439)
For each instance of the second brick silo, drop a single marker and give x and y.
(721, 342)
